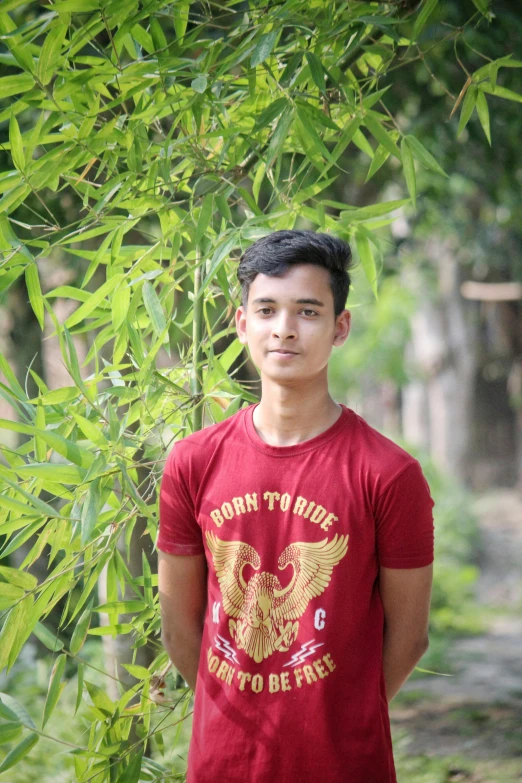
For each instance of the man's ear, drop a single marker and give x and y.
(240, 318)
(342, 327)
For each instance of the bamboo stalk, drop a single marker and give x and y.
(196, 386)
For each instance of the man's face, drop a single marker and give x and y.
(289, 323)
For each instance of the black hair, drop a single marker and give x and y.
(272, 255)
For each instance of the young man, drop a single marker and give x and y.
(296, 549)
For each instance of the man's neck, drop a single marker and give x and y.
(286, 417)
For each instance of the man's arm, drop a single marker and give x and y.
(405, 595)
(182, 583)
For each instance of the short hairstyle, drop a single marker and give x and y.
(273, 254)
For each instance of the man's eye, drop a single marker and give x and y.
(265, 310)
(309, 312)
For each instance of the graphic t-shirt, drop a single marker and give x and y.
(290, 684)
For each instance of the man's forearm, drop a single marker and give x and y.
(184, 650)
(400, 656)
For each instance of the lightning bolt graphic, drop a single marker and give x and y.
(224, 646)
(303, 653)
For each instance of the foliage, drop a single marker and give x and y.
(147, 145)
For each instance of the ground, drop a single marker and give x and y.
(468, 727)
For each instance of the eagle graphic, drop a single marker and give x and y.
(264, 615)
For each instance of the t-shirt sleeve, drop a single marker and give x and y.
(179, 532)
(404, 521)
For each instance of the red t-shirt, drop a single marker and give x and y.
(290, 685)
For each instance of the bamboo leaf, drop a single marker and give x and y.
(48, 638)
(79, 687)
(13, 629)
(316, 69)
(483, 7)
(32, 282)
(12, 85)
(408, 166)
(55, 688)
(367, 260)
(468, 105)
(425, 157)
(140, 672)
(502, 92)
(382, 135)
(12, 710)
(18, 578)
(9, 595)
(270, 113)
(425, 12)
(121, 607)
(94, 300)
(9, 732)
(17, 146)
(153, 308)
(263, 48)
(199, 84)
(80, 632)
(378, 160)
(50, 53)
(205, 215)
(19, 751)
(483, 113)
(278, 137)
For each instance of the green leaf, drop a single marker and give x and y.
(408, 166)
(263, 48)
(205, 215)
(365, 252)
(50, 53)
(378, 160)
(468, 105)
(9, 732)
(121, 607)
(131, 773)
(55, 688)
(180, 12)
(270, 113)
(502, 92)
(12, 85)
(13, 632)
(112, 630)
(19, 751)
(79, 687)
(382, 135)
(12, 710)
(90, 511)
(483, 7)
(18, 578)
(153, 308)
(199, 84)
(80, 632)
(425, 157)
(140, 672)
(17, 146)
(34, 290)
(94, 300)
(316, 69)
(9, 595)
(47, 637)
(425, 12)
(100, 698)
(483, 113)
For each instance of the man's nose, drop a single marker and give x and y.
(284, 326)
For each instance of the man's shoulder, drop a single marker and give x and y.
(383, 455)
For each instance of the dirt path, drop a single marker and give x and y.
(475, 717)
